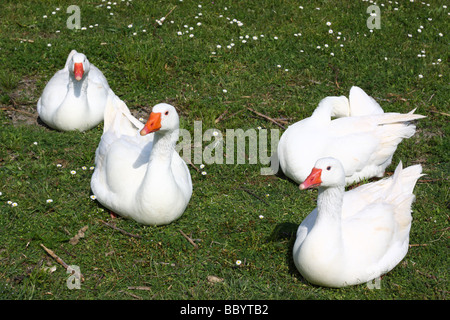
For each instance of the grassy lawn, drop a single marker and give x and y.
(212, 60)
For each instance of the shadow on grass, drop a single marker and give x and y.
(286, 231)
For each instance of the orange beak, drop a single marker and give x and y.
(78, 71)
(153, 123)
(313, 180)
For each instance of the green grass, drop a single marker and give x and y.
(223, 218)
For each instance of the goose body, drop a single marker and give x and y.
(355, 236)
(362, 137)
(75, 97)
(138, 174)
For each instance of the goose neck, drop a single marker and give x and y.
(329, 204)
(163, 146)
(78, 87)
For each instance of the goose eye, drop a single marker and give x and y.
(166, 113)
(329, 168)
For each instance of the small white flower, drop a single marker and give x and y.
(276, 38)
(238, 262)
(279, 65)
(49, 200)
(44, 16)
(225, 90)
(59, 165)
(259, 128)
(286, 70)
(244, 41)
(84, 168)
(83, 28)
(420, 76)
(441, 34)
(91, 168)
(179, 33)
(9, 202)
(14, 204)
(255, 38)
(218, 46)
(73, 172)
(199, 23)
(93, 197)
(261, 216)
(328, 23)
(330, 31)
(130, 26)
(35, 143)
(215, 133)
(49, 45)
(204, 173)
(191, 35)
(202, 166)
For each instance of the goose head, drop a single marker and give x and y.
(79, 66)
(327, 172)
(163, 118)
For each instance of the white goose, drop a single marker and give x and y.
(363, 137)
(355, 236)
(138, 174)
(75, 97)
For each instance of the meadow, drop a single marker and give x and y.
(249, 65)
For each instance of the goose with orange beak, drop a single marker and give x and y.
(75, 97)
(138, 173)
(356, 236)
